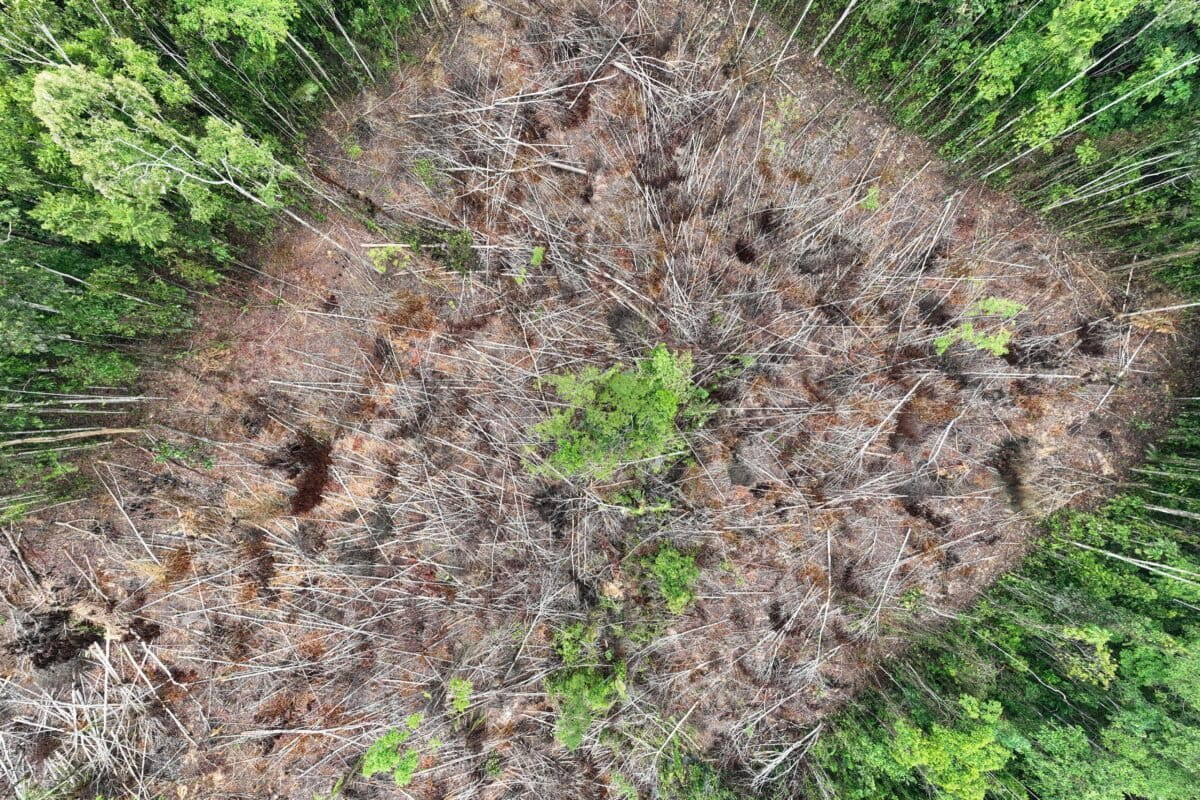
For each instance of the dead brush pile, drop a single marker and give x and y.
(898, 372)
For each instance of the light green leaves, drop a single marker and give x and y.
(583, 694)
(956, 761)
(385, 754)
(263, 24)
(1076, 26)
(622, 416)
(458, 695)
(676, 575)
(96, 218)
(992, 339)
(113, 130)
(870, 201)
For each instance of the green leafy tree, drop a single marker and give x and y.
(620, 417)
(263, 24)
(957, 761)
(112, 128)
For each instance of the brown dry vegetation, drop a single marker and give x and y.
(369, 528)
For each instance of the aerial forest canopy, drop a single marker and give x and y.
(599, 398)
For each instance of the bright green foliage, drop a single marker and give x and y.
(1087, 656)
(995, 341)
(575, 643)
(589, 684)
(458, 694)
(957, 761)
(621, 416)
(583, 694)
(676, 575)
(263, 24)
(385, 754)
(871, 201)
(137, 159)
(384, 258)
(998, 307)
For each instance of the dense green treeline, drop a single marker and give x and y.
(1076, 677)
(1088, 110)
(139, 141)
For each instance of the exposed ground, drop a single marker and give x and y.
(368, 527)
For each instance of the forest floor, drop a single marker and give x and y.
(331, 514)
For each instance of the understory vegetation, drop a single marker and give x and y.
(622, 416)
(407, 398)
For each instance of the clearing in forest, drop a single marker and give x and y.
(638, 389)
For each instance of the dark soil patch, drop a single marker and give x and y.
(55, 637)
(307, 461)
(1010, 462)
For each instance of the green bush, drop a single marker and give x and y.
(385, 754)
(683, 777)
(588, 685)
(584, 693)
(996, 342)
(622, 416)
(676, 575)
(458, 695)
(575, 643)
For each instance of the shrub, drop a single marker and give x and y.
(682, 777)
(574, 643)
(995, 342)
(385, 754)
(676, 575)
(460, 253)
(427, 172)
(582, 694)
(621, 416)
(458, 694)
